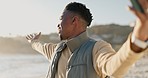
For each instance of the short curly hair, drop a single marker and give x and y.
(80, 9)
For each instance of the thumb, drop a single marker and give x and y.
(37, 35)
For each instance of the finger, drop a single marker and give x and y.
(30, 36)
(37, 35)
(33, 35)
(27, 37)
(140, 15)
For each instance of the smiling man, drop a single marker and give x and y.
(78, 56)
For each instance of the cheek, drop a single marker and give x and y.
(64, 25)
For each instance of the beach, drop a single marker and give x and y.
(36, 66)
(23, 66)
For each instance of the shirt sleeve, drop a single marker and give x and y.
(46, 49)
(116, 64)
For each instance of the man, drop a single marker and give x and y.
(83, 57)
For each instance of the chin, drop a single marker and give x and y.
(61, 38)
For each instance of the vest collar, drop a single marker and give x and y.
(76, 42)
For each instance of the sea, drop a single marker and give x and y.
(23, 66)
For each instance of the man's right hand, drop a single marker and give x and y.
(32, 37)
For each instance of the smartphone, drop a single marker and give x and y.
(137, 5)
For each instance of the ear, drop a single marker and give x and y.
(75, 20)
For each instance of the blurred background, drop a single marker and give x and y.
(18, 18)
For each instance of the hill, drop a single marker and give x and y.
(112, 33)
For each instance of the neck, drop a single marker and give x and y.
(76, 34)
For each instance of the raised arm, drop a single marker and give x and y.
(140, 31)
(116, 64)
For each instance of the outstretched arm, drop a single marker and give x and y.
(44, 48)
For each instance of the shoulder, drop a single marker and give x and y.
(102, 45)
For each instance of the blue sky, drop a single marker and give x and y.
(21, 17)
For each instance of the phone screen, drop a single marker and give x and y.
(136, 5)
